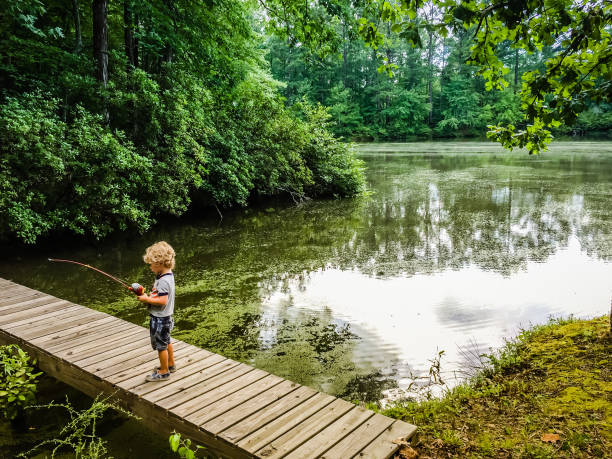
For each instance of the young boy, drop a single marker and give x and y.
(160, 256)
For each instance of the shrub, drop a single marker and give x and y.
(79, 434)
(18, 382)
(78, 177)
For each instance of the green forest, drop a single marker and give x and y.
(171, 107)
(116, 114)
(433, 92)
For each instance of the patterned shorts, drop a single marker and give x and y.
(159, 330)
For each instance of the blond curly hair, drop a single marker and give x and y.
(160, 252)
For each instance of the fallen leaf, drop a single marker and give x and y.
(406, 452)
(400, 441)
(550, 437)
(438, 443)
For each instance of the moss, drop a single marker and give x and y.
(554, 378)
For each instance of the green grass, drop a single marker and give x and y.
(554, 378)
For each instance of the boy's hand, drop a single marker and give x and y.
(144, 298)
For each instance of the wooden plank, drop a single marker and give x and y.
(255, 421)
(17, 294)
(359, 438)
(249, 407)
(181, 359)
(217, 393)
(272, 430)
(25, 304)
(208, 384)
(62, 322)
(86, 321)
(106, 350)
(66, 342)
(180, 390)
(189, 375)
(33, 319)
(11, 290)
(195, 382)
(141, 365)
(232, 400)
(32, 314)
(68, 338)
(113, 355)
(306, 429)
(93, 347)
(383, 447)
(119, 362)
(9, 301)
(330, 435)
(33, 311)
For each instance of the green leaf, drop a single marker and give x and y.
(175, 440)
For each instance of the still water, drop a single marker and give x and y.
(455, 247)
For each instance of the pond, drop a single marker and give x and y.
(454, 247)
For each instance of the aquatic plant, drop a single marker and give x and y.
(79, 434)
(183, 447)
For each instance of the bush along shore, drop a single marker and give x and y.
(546, 394)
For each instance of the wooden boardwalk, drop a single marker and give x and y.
(232, 408)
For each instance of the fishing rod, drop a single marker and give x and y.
(135, 287)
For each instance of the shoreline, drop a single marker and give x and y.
(545, 394)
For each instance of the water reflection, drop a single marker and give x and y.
(351, 296)
(410, 318)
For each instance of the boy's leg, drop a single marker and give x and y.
(166, 357)
(163, 361)
(170, 355)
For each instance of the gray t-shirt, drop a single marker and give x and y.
(164, 285)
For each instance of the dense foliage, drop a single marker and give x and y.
(18, 381)
(396, 70)
(115, 114)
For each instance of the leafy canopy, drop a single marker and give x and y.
(577, 73)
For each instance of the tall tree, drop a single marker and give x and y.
(100, 46)
(77, 27)
(131, 50)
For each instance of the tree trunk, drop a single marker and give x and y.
(100, 45)
(516, 64)
(168, 54)
(430, 77)
(136, 43)
(77, 27)
(128, 35)
(344, 54)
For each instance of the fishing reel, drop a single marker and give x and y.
(137, 289)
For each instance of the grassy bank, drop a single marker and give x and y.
(546, 394)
